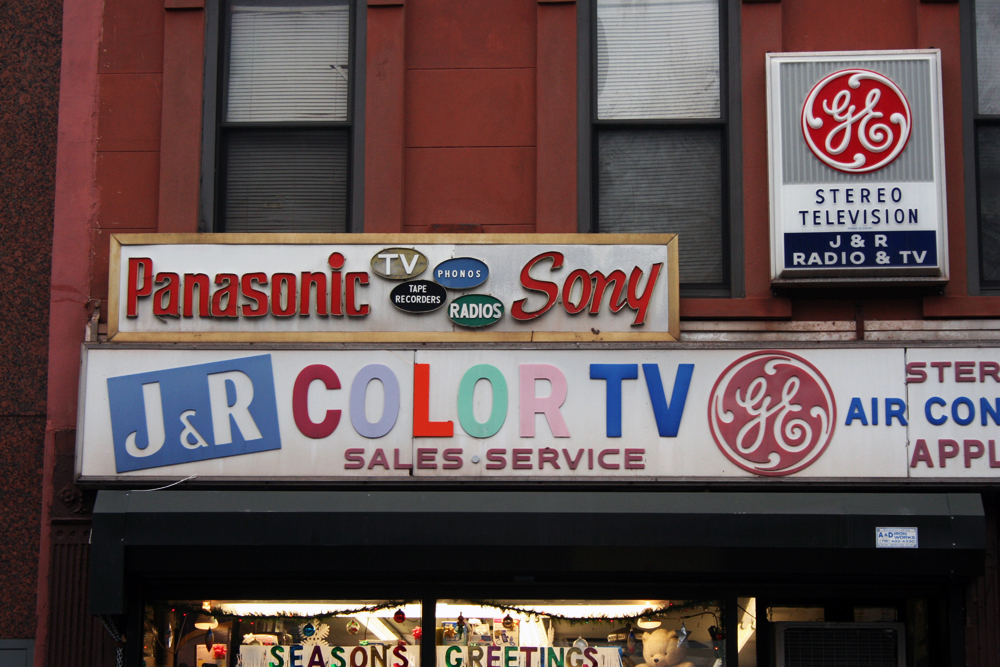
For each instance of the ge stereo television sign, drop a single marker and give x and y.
(856, 167)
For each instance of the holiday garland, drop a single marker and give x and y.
(645, 615)
(648, 614)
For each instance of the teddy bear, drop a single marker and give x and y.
(661, 648)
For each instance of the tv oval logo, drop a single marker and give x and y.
(856, 121)
(772, 413)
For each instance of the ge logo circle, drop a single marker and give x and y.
(772, 413)
(856, 121)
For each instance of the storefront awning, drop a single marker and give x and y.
(733, 534)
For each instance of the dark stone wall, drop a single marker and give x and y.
(29, 95)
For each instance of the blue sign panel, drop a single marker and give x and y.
(913, 249)
(193, 413)
(461, 273)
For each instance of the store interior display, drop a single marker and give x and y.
(467, 633)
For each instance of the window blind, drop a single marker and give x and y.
(988, 55)
(658, 59)
(666, 181)
(286, 181)
(288, 63)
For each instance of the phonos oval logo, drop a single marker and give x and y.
(856, 120)
(772, 413)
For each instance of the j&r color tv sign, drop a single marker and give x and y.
(238, 415)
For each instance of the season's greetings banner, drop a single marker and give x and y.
(316, 655)
(265, 414)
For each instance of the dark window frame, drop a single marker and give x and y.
(972, 121)
(214, 126)
(729, 123)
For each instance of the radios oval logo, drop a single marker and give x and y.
(461, 273)
(772, 413)
(856, 121)
(475, 310)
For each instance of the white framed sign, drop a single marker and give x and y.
(856, 167)
(265, 413)
(393, 287)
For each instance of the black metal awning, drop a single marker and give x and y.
(736, 534)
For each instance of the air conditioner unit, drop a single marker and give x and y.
(840, 645)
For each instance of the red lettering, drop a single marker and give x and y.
(423, 427)
(283, 282)
(550, 289)
(973, 450)
(259, 309)
(426, 458)
(604, 464)
(570, 461)
(921, 454)
(300, 401)
(548, 455)
(965, 371)
(353, 310)
(305, 294)
(396, 465)
(633, 459)
(496, 459)
(199, 280)
(989, 369)
(914, 372)
(585, 294)
(640, 302)
(400, 653)
(993, 455)
(378, 459)
(940, 365)
(356, 456)
(947, 449)
(167, 299)
(521, 459)
(452, 459)
(133, 290)
(617, 281)
(229, 292)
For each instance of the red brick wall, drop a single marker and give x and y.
(29, 96)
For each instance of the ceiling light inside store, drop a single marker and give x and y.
(378, 628)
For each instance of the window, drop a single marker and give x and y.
(661, 132)
(987, 133)
(283, 143)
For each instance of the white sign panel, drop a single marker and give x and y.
(896, 538)
(728, 415)
(393, 288)
(856, 164)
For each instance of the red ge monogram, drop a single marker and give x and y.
(772, 413)
(844, 121)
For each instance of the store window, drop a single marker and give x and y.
(465, 633)
(580, 633)
(283, 131)
(662, 131)
(987, 132)
(289, 633)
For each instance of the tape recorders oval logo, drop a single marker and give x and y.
(772, 413)
(856, 121)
